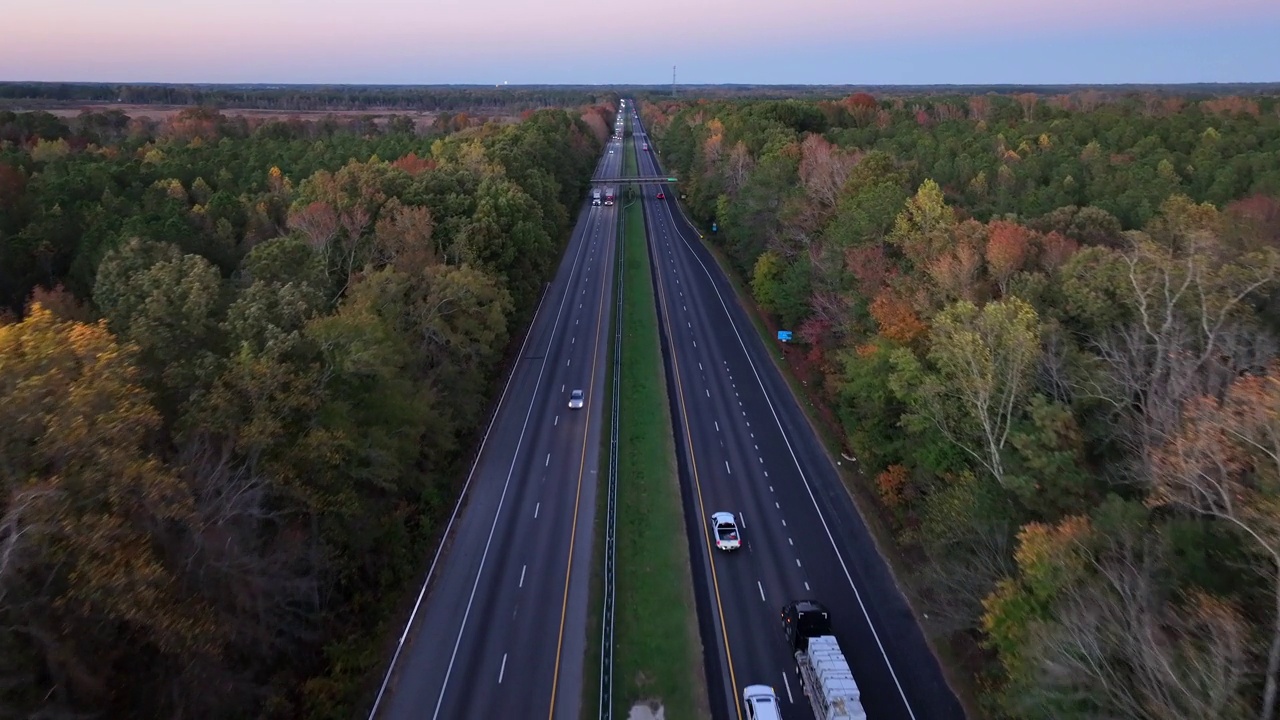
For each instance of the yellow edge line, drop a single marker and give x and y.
(702, 511)
(582, 466)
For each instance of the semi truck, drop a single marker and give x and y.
(595, 196)
(824, 673)
(608, 195)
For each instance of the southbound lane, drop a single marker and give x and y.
(751, 450)
(501, 629)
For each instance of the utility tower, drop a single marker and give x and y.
(673, 81)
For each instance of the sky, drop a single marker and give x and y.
(860, 42)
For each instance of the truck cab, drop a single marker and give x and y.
(804, 619)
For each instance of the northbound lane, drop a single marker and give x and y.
(747, 447)
(500, 627)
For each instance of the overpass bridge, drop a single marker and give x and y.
(636, 180)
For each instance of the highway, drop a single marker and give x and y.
(500, 627)
(745, 446)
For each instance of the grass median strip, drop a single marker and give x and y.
(656, 651)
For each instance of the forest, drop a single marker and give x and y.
(241, 366)
(432, 98)
(1046, 327)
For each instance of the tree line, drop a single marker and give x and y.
(1047, 329)
(315, 97)
(240, 371)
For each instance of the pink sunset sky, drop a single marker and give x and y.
(587, 41)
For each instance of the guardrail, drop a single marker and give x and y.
(610, 525)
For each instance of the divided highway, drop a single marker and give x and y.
(500, 627)
(746, 447)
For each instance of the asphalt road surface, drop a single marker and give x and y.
(501, 630)
(746, 447)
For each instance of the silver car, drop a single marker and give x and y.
(575, 400)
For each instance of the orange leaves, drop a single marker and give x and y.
(869, 266)
(955, 272)
(1043, 547)
(1008, 248)
(860, 100)
(891, 483)
(1225, 459)
(1056, 249)
(318, 222)
(711, 147)
(895, 317)
(824, 168)
(597, 125)
(1230, 105)
(413, 164)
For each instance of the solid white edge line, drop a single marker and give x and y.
(515, 366)
(826, 528)
(480, 453)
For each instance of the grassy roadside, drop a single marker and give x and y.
(657, 651)
(591, 664)
(860, 487)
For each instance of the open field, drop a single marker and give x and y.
(161, 113)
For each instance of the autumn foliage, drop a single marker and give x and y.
(1047, 327)
(236, 366)
(895, 318)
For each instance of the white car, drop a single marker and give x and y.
(761, 702)
(725, 529)
(575, 400)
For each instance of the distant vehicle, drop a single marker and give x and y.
(761, 702)
(726, 530)
(575, 400)
(824, 673)
(595, 196)
(608, 195)
(646, 146)
(661, 196)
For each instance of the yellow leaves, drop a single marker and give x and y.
(1044, 142)
(74, 426)
(923, 228)
(978, 185)
(50, 150)
(1044, 549)
(1091, 152)
(154, 156)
